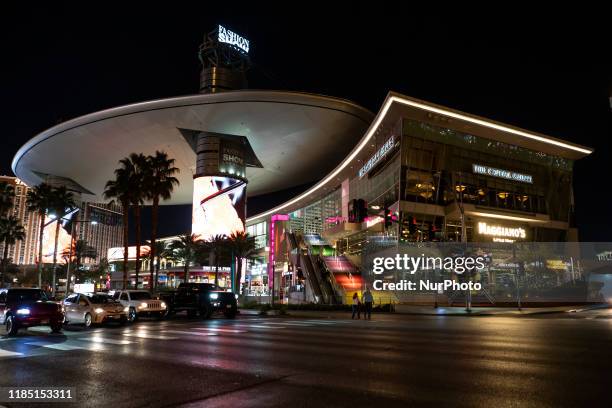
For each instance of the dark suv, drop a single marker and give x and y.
(202, 298)
(24, 307)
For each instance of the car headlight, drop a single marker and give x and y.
(126, 309)
(143, 305)
(23, 311)
(99, 310)
(236, 295)
(214, 295)
(163, 305)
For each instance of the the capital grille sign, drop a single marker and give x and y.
(505, 174)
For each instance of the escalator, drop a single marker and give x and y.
(304, 262)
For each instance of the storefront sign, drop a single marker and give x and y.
(230, 37)
(499, 231)
(382, 152)
(505, 174)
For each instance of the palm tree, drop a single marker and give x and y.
(219, 246)
(139, 193)
(11, 231)
(159, 184)
(121, 189)
(162, 250)
(243, 247)
(7, 194)
(185, 249)
(80, 249)
(39, 199)
(61, 200)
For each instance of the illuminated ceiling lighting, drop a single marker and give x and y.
(488, 124)
(375, 207)
(503, 217)
(376, 124)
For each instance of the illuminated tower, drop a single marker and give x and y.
(224, 56)
(219, 185)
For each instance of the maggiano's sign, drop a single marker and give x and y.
(505, 174)
(501, 231)
(382, 152)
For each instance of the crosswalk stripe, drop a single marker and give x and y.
(104, 340)
(6, 353)
(214, 329)
(188, 332)
(55, 346)
(150, 336)
(292, 324)
(258, 326)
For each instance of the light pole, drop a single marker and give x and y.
(70, 250)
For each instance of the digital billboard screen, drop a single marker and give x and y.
(218, 206)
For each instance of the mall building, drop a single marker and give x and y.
(415, 172)
(420, 173)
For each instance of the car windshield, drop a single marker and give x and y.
(25, 295)
(98, 299)
(140, 295)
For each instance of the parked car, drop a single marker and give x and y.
(140, 303)
(94, 308)
(202, 298)
(25, 307)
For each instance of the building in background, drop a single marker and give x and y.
(23, 252)
(97, 223)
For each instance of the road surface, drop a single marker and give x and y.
(544, 361)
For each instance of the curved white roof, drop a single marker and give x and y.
(298, 138)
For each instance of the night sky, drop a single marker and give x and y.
(548, 72)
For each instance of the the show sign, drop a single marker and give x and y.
(378, 156)
(230, 37)
(505, 174)
(499, 231)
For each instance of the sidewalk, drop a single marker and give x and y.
(441, 311)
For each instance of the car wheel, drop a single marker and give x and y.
(123, 320)
(88, 320)
(11, 326)
(192, 313)
(161, 315)
(56, 327)
(230, 314)
(132, 315)
(205, 312)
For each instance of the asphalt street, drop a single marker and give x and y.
(393, 360)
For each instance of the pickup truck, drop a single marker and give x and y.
(23, 307)
(201, 298)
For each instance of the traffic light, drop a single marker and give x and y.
(388, 217)
(412, 226)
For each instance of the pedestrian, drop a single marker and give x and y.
(356, 306)
(367, 301)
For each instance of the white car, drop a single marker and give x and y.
(140, 303)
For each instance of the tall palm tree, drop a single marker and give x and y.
(39, 200)
(7, 195)
(62, 202)
(159, 184)
(139, 194)
(243, 247)
(218, 244)
(185, 249)
(11, 231)
(120, 189)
